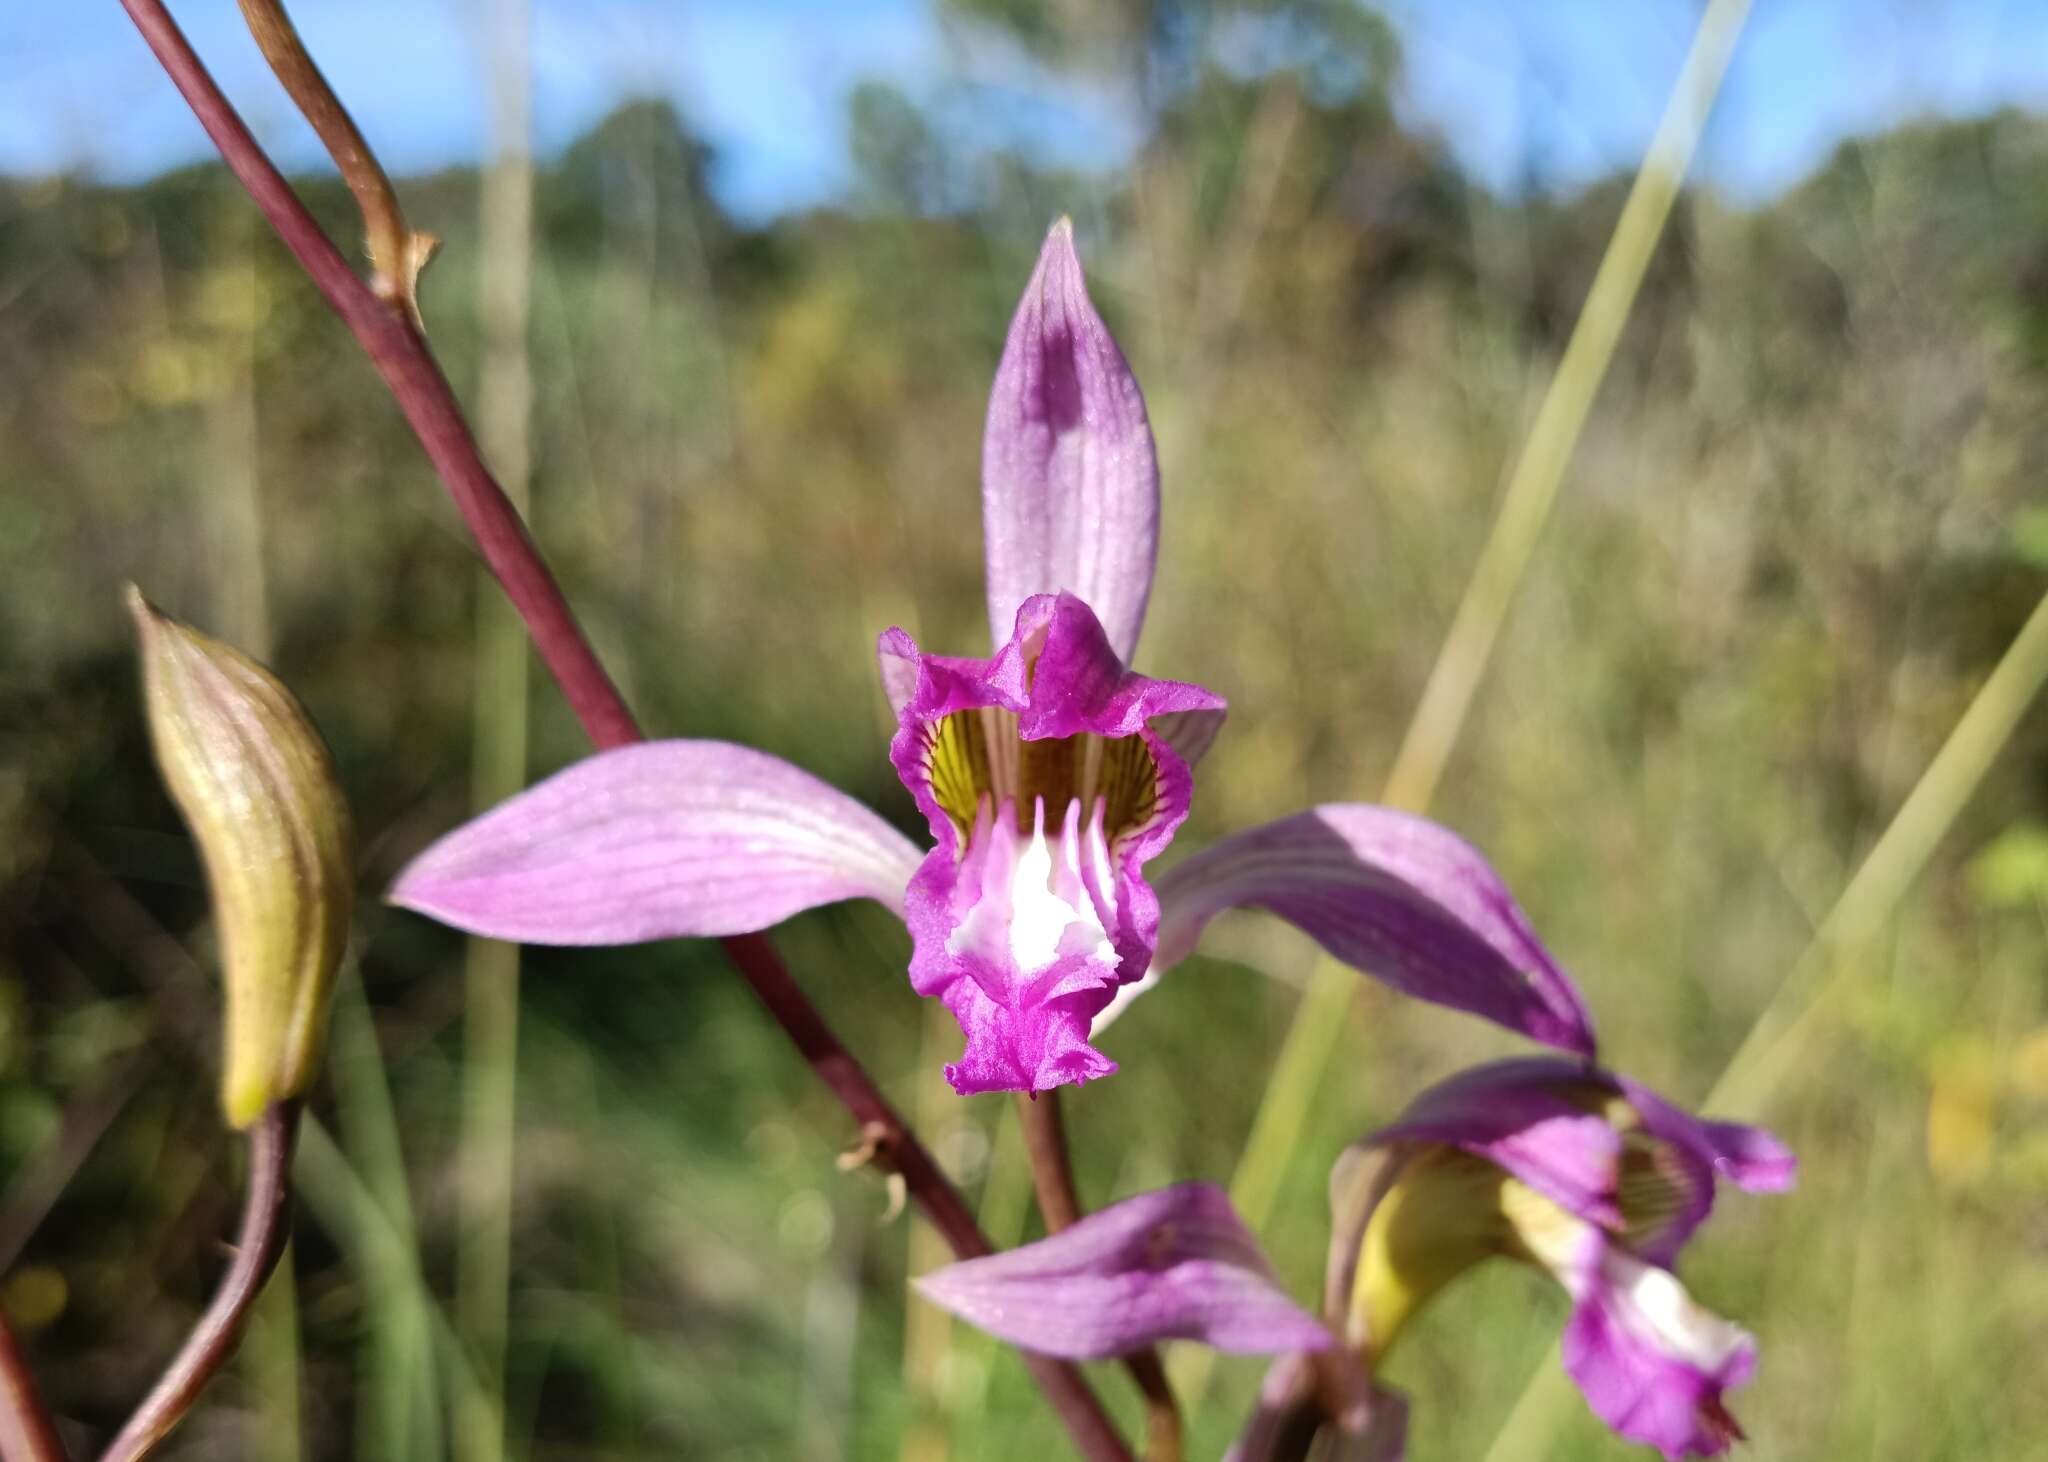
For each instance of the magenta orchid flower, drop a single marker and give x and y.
(1587, 1175)
(1049, 774)
(1175, 1264)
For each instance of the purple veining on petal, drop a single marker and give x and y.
(1026, 917)
(654, 841)
(1070, 479)
(1394, 895)
(1030, 935)
(1190, 733)
(896, 657)
(1176, 1264)
(1749, 1157)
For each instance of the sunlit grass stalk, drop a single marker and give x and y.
(380, 1249)
(1524, 510)
(270, 1360)
(499, 748)
(1894, 862)
(1824, 971)
(367, 1197)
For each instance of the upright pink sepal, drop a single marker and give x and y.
(1069, 476)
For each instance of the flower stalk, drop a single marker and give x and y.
(26, 1432)
(1059, 1204)
(408, 368)
(266, 1225)
(397, 254)
(392, 339)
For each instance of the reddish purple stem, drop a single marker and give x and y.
(26, 1432)
(403, 359)
(266, 1226)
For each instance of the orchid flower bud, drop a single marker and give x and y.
(256, 786)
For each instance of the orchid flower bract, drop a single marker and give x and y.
(1049, 774)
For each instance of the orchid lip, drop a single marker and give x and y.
(1039, 899)
(1046, 790)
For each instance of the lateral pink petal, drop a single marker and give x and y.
(655, 841)
(1069, 476)
(1395, 896)
(1175, 1264)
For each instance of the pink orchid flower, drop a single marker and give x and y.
(1586, 1175)
(1049, 774)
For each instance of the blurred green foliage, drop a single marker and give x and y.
(1805, 520)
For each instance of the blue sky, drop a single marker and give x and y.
(1558, 91)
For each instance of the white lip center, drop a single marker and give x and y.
(1034, 899)
(1662, 1315)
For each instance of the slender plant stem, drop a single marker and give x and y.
(394, 255)
(392, 340)
(26, 1431)
(1894, 862)
(1045, 1145)
(1044, 1127)
(266, 1226)
(931, 1341)
(401, 357)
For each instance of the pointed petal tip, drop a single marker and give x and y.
(1058, 251)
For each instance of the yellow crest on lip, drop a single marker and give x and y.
(974, 754)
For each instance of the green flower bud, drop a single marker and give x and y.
(257, 787)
